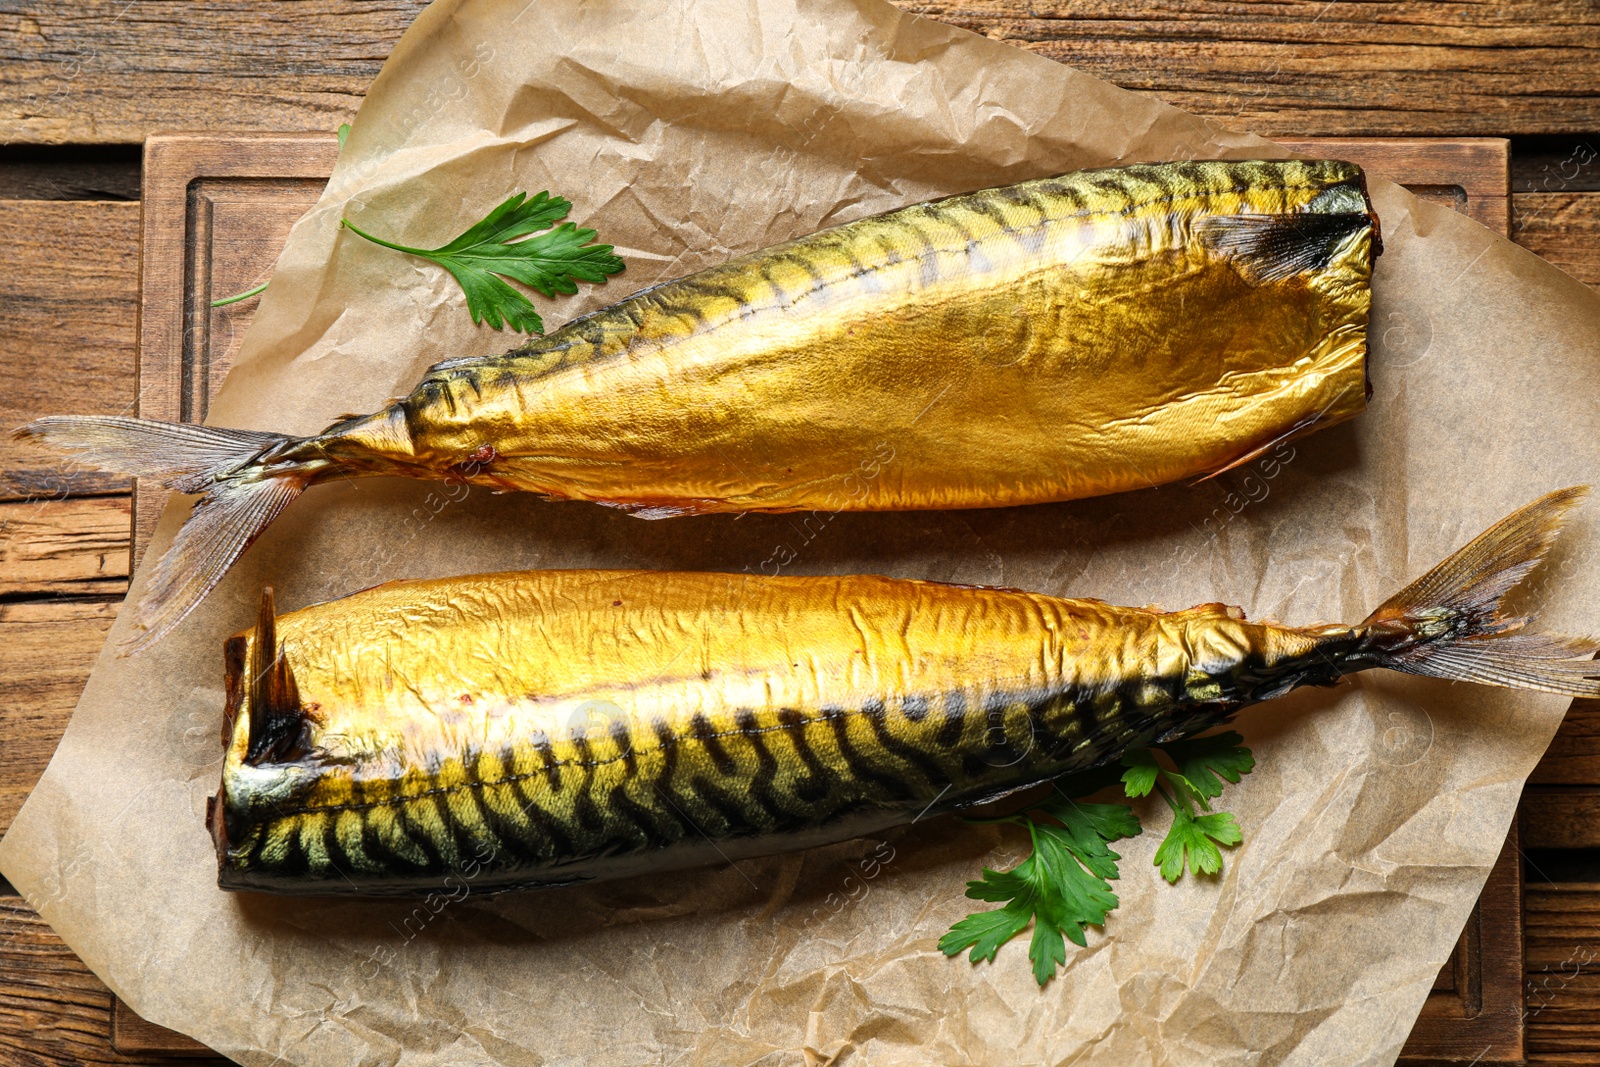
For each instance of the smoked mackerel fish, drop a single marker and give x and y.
(1062, 338)
(551, 727)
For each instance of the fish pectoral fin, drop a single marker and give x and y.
(1270, 248)
(277, 717)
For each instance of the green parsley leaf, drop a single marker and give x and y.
(1205, 762)
(1063, 886)
(1193, 840)
(343, 133)
(498, 247)
(986, 931)
(1089, 826)
(1140, 777)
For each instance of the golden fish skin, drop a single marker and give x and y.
(1056, 339)
(1061, 338)
(548, 727)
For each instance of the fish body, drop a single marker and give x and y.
(1056, 339)
(543, 728)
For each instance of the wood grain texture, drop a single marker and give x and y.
(1563, 973)
(1556, 164)
(66, 330)
(110, 71)
(1564, 228)
(73, 547)
(1474, 1012)
(1315, 68)
(1573, 757)
(132, 1034)
(102, 72)
(1466, 174)
(46, 650)
(1555, 816)
(69, 172)
(249, 189)
(53, 1011)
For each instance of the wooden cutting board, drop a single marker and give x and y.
(217, 211)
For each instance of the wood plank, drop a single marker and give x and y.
(253, 189)
(1556, 816)
(132, 1034)
(53, 1011)
(1564, 228)
(1475, 1009)
(114, 71)
(1563, 972)
(52, 1008)
(1573, 757)
(46, 650)
(1315, 68)
(1469, 175)
(110, 71)
(72, 547)
(66, 330)
(1556, 164)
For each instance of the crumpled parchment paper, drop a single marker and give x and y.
(688, 132)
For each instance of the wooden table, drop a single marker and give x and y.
(83, 83)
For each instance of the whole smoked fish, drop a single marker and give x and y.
(1061, 338)
(552, 727)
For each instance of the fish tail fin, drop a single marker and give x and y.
(1448, 623)
(243, 477)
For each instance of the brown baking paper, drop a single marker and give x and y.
(686, 133)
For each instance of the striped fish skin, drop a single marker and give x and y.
(1057, 339)
(544, 728)
(549, 727)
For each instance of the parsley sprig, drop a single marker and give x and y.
(1064, 885)
(499, 247)
(1198, 833)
